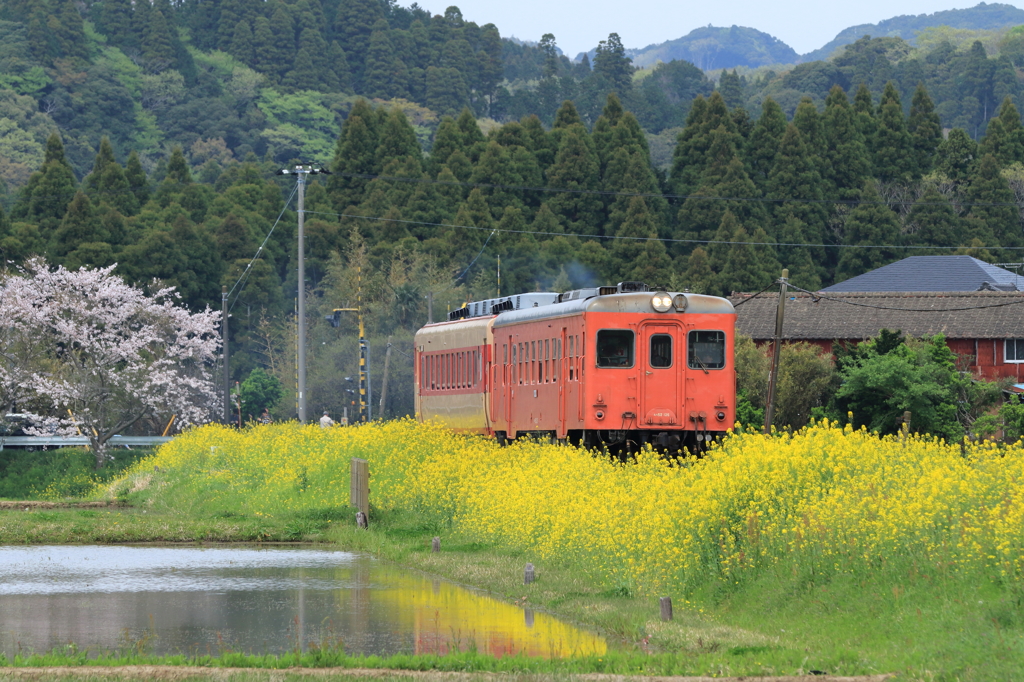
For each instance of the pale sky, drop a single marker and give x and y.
(578, 25)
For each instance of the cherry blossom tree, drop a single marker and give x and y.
(101, 354)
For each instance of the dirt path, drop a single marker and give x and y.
(26, 505)
(169, 673)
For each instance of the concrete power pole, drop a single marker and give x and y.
(300, 172)
(773, 377)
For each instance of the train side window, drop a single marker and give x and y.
(615, 348)
(433, 372)
(661, 350)
(547, 358)
(514, 368)
(706, 350)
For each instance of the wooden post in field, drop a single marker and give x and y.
(666, 608)
(435, 545)
(360, 486)
(528, 575)
(905, 429)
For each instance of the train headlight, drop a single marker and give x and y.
(661, 302)
(679, 302)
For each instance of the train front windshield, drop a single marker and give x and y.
(706, 350)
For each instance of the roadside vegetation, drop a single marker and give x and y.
(829, 549)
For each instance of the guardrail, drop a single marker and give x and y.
(47, 442)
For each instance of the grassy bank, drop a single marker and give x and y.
(59, 473)
(828, 550)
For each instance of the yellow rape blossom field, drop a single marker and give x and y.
(825, 500)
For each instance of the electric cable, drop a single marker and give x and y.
(243, 278)
(661, 239)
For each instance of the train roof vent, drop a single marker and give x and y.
(458, 313)
(577, 294)
(632, 287)
(502, 306)
(606, 291)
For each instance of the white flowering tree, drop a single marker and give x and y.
(102, 354)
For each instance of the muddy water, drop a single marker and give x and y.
(197, 600)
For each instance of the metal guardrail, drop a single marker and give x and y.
(46, 442)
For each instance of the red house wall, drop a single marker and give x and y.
(984, 357)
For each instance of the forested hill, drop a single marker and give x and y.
(142, 143)
(983, 17)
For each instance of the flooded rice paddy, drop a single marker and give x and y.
(255, 600)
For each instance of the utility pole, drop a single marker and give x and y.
(430, 307)
(300, 172)
(384, 384)
(224, 347)
(780, 312)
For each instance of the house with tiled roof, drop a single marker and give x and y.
(978, 307)
(933, 273)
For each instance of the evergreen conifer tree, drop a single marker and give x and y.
(353, 26)
(993, 206)
(242, 43)
(158, 47)
(895, 159)
(71, 32)
(871, 224)
(957, 156)
(339, 65)
(355, 154)
(576, 168)
(935, 223)
(731, 87)
(864, 106)
(79, 225)
(845, 148)
(797, 187)
(378, 75)
(107, 182)
(698, 276)
(46, 196)
(116, 16)
(924, 128)
(641, 256)
(763, 144)
(138, 183)
(303, 75)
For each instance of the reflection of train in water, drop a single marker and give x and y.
(619, 366)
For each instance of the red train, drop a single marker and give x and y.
(615, 367)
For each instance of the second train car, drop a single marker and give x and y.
(618, 367)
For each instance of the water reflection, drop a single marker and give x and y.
(256, 600)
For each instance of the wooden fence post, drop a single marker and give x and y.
(666, 608)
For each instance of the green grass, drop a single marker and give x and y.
(921, 624)
(920, 621)
(62, 472)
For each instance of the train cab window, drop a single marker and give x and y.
(661, 350)
(614, 348)
(706, 350)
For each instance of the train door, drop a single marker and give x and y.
(661, 385)
(563, 387)
(510, 378)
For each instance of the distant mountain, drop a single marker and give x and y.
(712, 47)
(982, 17)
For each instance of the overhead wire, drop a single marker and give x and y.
(243, 278)
(817, 295)
(596, 192)
(669, 240)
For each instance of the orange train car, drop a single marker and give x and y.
(617, 367)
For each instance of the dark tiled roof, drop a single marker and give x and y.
(933, 273)
(992, 315)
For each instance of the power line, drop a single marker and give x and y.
(243, 278)
(613, 193)
(660, 239)
(818, 296)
